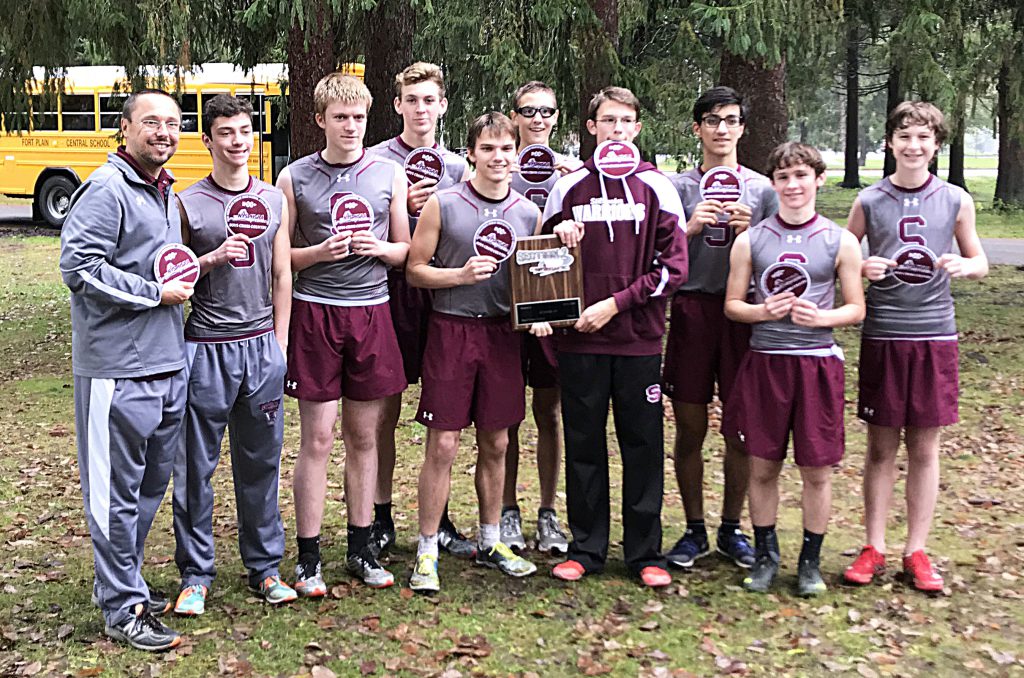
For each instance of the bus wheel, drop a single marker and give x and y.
(54, 199)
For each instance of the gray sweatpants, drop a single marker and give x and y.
(238, 385)
(128, 433)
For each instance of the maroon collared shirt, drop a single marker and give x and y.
(162, 181)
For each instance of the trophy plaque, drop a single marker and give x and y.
(547, 283)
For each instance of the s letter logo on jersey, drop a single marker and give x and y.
(653, 393)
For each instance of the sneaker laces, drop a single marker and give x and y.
(308, 569)
(550, 522)
(511, 524)
(426, 564)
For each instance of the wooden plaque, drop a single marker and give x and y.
(547, 282)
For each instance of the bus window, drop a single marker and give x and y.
(189, 113)
(44, 119)
(110, 110)
(257, 110)
(78, 113)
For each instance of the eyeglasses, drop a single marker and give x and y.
(173, 126)
(530, 111)
(714, 121)
(612, 121)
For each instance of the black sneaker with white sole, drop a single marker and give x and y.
(144, 632)
(158, 605)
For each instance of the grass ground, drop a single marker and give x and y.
(483, 624)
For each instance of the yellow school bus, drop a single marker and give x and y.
(64, 145)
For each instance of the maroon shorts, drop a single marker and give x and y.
(410, 312)
(472, 374)
(342, 351)
(776, 394)
(908, 383)
(703, 347)
(540, 363)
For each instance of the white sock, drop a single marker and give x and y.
(488, 536)
(427, 545)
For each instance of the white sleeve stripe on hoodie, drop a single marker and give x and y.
(661, 283)
(114, 292)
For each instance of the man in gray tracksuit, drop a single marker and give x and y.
(236, 336)
(128, 357)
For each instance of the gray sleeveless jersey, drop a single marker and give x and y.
(396, 150)
(709, 251)
(914, 228)
(232, 301)
(329, 198)
(537, 193)
(799, 259)
(463, 212)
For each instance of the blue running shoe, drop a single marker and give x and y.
(691, 546)
(735, 546)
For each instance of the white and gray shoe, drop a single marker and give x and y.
(550, 537)
(144, 632)
(364, 566)
(512, 529)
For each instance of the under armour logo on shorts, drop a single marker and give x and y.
(291, 384)
(490, 213)
(429, 416)
(653, 393)
(868, 411)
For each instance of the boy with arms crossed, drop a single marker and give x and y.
(791, 379)
(348, 223)
(634, 254)
(705, 347)
(236, 338)
(472, 371)
(535, 113)
(420, 100)
(908, 361)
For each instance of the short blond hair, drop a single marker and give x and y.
(421, 71)
(336, 87)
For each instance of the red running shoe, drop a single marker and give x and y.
(918, 569)
(655, 577)
(570, 570)
(868, 565)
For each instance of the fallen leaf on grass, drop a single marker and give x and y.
(368, 667)
(406, 594)
(30, 669)
(89, 673)
(64, 631)
(650, 625)
(322, 672)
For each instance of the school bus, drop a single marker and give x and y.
(68, 141)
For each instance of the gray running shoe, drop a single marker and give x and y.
(762, 573)
(512, 529)
(365, 567)
(158, 602)
(452, 541)
(381, 539)
(808, 579)
(144, 632)
(501, 557)
(309, 580)
(550, 537)
(424, 577)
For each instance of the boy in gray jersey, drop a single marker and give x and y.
(236, 338)
(348, 224)
(791, 379)
(128, 358)
(472, 370)
(705, 347)
(535, 114)
(908, 361)
(420, 100)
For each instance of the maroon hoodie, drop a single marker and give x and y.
(633, 249)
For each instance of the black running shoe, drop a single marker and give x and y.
(158, 605)
(450, 540)
(382, 537)
(762, 573)
(144, 632)
(808, 579)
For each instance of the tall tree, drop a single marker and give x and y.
(765, 90)
(388, 30)
(851, 173)
(599, 51)
(1010, 114)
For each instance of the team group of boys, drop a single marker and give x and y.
(368, 281)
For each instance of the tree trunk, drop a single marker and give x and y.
(1010, 178)
(956, 174)
(765, 92)
(851, 176)
(599, 48)
(893, 97)
(388, 34)
(310, 57)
